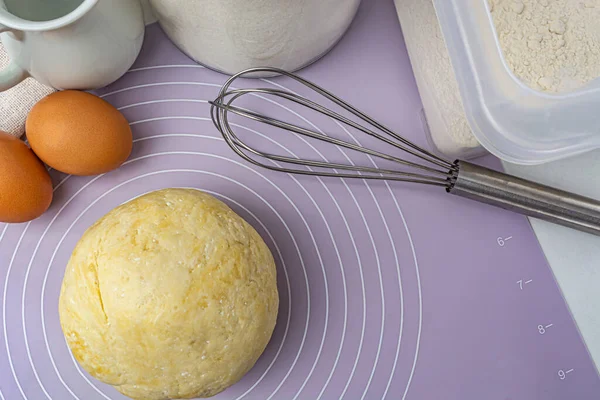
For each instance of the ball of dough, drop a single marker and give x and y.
(169, 296)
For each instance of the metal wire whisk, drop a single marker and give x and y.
(459, 177)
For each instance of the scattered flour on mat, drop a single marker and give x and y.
(551, 45)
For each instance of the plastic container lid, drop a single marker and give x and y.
(511, 120)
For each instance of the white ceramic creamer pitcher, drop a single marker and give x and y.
(70, 44)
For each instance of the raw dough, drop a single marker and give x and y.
(171, 295)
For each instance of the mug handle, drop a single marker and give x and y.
(12, 74)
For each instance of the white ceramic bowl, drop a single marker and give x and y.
(232, 35)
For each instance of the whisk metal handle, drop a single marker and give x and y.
(526, 197)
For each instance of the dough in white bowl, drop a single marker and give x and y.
(169, 296)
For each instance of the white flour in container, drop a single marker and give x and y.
(448, 127)
(551, 45)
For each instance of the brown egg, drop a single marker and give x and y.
(78, 133)
(25, 186)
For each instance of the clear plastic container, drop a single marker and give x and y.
(511, 120)
(443, 116)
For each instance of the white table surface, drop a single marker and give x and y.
(573, 256)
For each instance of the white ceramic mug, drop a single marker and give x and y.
(70, 44)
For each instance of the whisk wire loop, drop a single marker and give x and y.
(439, 174)
(459, 178)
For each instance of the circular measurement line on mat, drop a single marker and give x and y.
(53, 221)
(380, 356)
(23, 315)
(343, 274)
(279, 105)
(54, 254)
(331, 235)
(367, 185)
(374, 247)
(213, 138)
(333, 198)
(12, 368)
(339, 209)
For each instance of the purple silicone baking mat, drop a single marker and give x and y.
(387, 290)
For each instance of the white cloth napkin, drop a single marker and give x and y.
(16, 102)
